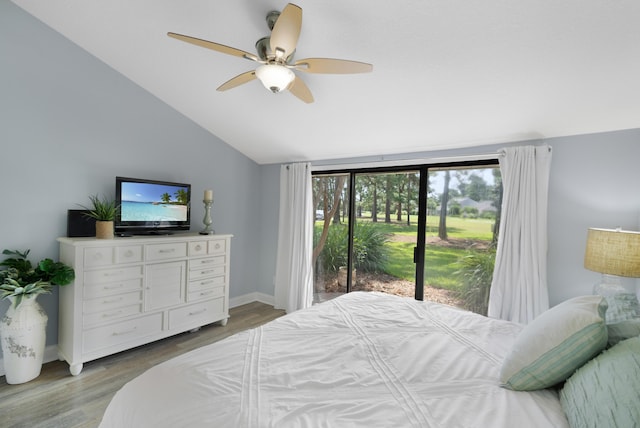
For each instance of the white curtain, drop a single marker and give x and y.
(519, 287)
(294, 273)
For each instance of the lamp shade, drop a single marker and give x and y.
(613, 252)
(275, 77)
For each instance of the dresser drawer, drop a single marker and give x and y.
(205, 272)
(121, 332)
(205, 293)
(110, 302)
(195, 315)
(166, 251)
(209, 261)
(197, 248)
(98, 256)
(204, 283)
(217, 246)
(203, 263)
(91, 291)
(112, 275)
(128, 254)
(110, 315)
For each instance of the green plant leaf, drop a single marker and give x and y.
(20, 278)
(101, 209)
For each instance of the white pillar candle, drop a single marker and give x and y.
(208, 195)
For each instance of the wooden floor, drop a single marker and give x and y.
(57, 399)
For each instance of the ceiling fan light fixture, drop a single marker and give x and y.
(275, 77)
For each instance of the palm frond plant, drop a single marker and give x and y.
(101, 209)
(20, 279)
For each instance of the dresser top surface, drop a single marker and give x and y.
(142, 239)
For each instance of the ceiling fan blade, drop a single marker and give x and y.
(240, 79)
(301, 90)
(214, 46)
(332, 66)
(286, 31)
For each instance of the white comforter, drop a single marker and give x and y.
(364, 359)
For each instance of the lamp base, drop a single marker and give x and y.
(610, 285)
(623, 302)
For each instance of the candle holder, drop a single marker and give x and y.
(207, 219)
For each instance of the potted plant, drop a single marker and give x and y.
(104, 212)
(23, 326)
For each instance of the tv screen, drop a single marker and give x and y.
(151, 206)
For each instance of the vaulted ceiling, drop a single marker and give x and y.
(446, 73)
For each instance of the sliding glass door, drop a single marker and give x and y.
(426, 232)
(331, 201)
(460, 235)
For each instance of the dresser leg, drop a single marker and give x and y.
(223, 321)
(75, 369)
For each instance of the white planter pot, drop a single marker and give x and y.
(23, 335)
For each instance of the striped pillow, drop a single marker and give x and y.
(555, 344)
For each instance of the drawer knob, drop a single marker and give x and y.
(217, 246)
(198, 247)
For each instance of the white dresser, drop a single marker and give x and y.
(131, 291)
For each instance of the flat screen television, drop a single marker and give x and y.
(151, 207)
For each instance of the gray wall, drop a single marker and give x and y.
(69, 124)
(594, 183)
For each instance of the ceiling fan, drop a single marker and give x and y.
(275, 54)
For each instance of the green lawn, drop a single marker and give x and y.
(457, 227)
(441, 262)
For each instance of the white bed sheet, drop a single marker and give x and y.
(364, 359)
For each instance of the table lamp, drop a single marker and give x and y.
(615, 253)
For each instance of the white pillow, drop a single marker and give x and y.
(550, 348)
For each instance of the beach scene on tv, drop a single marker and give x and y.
(153, 202)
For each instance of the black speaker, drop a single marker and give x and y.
(79, 225)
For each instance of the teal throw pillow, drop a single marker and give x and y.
(605, 392)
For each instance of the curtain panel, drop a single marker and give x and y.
(294, 273)
(519, 288)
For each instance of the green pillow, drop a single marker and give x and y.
(550, 348)
(623, 330)
(605, 392)
(623, 305)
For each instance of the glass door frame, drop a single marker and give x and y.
(423, 170)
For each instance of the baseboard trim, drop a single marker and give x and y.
(250, 298)
(51, 351)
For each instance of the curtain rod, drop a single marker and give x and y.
(406, 162)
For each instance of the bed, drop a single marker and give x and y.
(363, 359)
